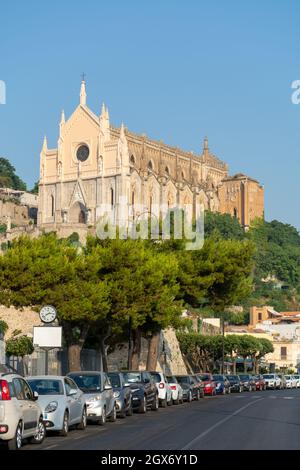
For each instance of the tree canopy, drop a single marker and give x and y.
(8, 177)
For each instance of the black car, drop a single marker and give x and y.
(189, 386)
(248, 382)
(143, 389)
(122, 394)
(235, 383)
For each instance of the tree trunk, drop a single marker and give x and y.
(74, 351)
(153, 351)
(245, 365)
(134, 357)
(103, 354)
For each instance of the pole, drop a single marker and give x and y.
(129, 344)
(223, 345)
(46, 361)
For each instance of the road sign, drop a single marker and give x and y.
(47, 336)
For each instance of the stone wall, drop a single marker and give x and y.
(17, 213)
(23, 320)
(171, 360)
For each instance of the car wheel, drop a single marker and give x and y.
(65, 425)
(113, 415)
(176, 402)
(102, 419)
(155, 404)
(143, 406)
(41, 433)
(198, 395)
(82, 424)
(190, 397)
(163, 403)
(123, 413)
(16, 442)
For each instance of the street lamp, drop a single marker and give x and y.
(223, 343)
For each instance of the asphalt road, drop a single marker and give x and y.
(252, 420)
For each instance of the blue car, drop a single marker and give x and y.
(222, 384)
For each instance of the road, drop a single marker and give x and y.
(258, 420)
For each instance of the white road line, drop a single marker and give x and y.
(203, 434)
(50, 447)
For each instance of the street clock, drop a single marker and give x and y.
(48, 314)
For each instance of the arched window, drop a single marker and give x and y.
(52, 205)
(150, 205)
(182, 175)
(235, 212)
(132, 198)
(132, 160)
(112, 200)
(150, 165)
(167, 170)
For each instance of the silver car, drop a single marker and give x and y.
(62, 402)
(99, 395)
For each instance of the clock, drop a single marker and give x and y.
(48, 314)
(82, 153)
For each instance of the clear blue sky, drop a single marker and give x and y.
(176, 70)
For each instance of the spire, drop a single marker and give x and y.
(122, 132)
(107, 114)
(205, 147)
(103, 110)
(62, 119)
(83, 93)
(45, 144)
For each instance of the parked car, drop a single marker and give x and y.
(21, 416)
(144, 390)
(62, 402)
(297, 377)
(248, 383)
(98, 395)
(260, 383)
(235, 383)
(283, 380)
(189, 387)
(222, 384)
(177, 392)
(199, 384)
(163, 388)
(291, 382)
(122, 394)
(273, 381)
(209, 384)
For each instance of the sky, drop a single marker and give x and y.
(175, 70)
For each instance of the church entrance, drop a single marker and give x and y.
(77, 214)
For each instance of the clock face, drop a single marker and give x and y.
(82, 153)
(48, 314)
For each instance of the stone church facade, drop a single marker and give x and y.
(97, 169)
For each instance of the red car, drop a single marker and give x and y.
(260, 382)
(209, 384)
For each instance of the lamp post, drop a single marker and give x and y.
(223, 343)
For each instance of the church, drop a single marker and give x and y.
(98, 169)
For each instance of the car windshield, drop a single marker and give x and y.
(114, 380)
(132, 377)
(288, 377)
(157, 378)
(88, 383)
(183, 379)
(171, 379)
(244, 376)
(46, 386)
(232, 377)
(268, 376)
(204, 376)
(218, 377)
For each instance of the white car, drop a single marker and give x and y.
(290, 381)
(177, 392)
(62, 402)
(273, 381)
(21, 416)
(297, 378)
(164, 389)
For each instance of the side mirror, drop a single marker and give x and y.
(35, 396)
(126, 385)
(108, 387)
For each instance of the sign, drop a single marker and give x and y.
(47, 336)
